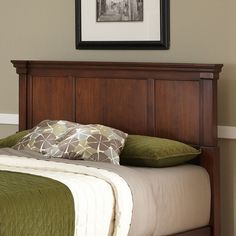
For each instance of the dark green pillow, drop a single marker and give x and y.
(12, 139)
(155, 152)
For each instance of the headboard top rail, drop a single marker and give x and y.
(207, 71)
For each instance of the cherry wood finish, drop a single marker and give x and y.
(57, 105)
(176, 101)
(185, 97)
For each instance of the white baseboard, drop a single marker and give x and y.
(225, 132)
(9, 119)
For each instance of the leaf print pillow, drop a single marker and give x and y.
(45, 135)
(92, 142)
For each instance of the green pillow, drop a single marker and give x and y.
(155, 152)
(12, 139)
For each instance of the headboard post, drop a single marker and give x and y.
(209, 112)
(22, 71)
(211, 161)
(176, 101)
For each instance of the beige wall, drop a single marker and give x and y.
(201, 31)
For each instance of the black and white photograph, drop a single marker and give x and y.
(119, 10)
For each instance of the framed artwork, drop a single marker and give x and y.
(122, 24)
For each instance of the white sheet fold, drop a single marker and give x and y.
(96, 194)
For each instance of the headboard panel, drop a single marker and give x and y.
(176, 101)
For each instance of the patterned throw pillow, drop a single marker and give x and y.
(45, 135)
(91, 142)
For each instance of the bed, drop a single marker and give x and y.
(174, 101)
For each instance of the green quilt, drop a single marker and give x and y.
(34, 206)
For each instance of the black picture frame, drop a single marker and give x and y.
(162, 44)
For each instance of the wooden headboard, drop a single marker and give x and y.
(177, 101)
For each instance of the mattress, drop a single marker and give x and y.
(183, 197)
(165, 200)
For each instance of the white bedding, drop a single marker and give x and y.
(100, 197)
(164, 201)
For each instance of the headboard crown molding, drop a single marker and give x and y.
(206, 71)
